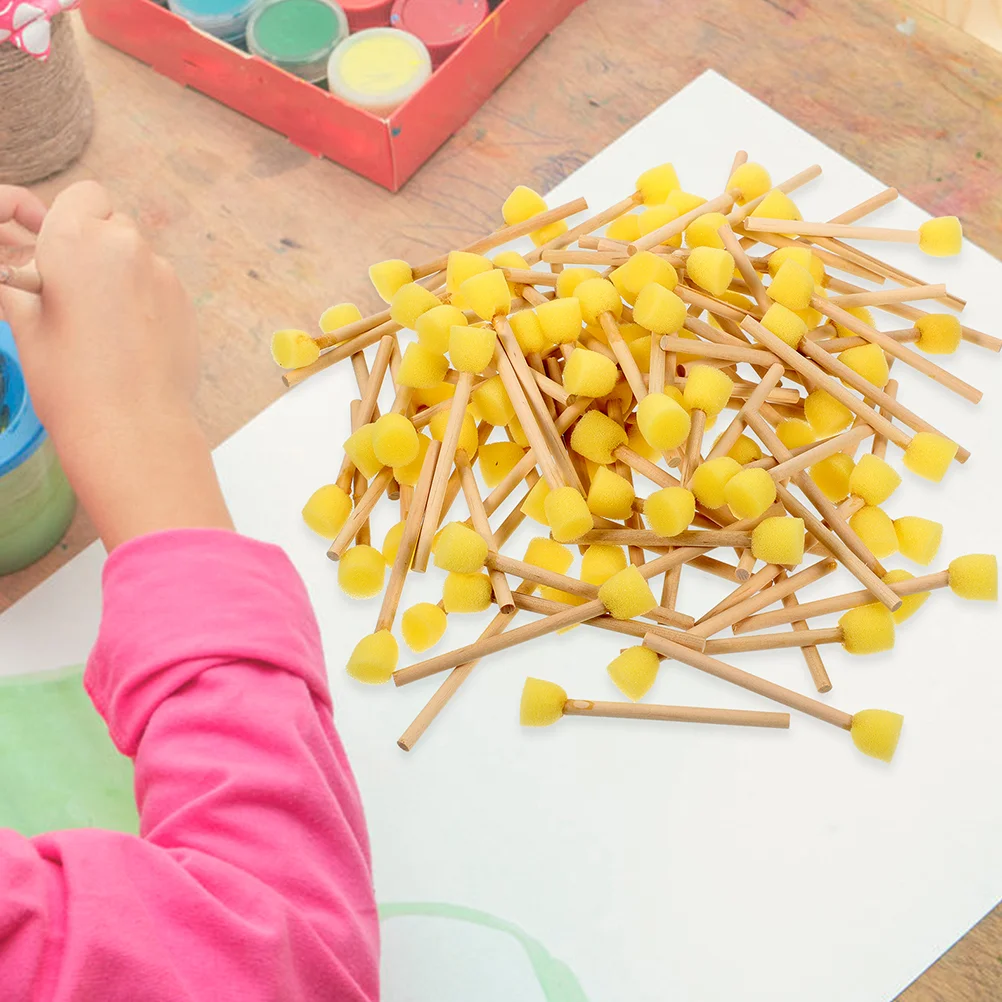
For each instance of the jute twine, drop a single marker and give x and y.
(46, 113)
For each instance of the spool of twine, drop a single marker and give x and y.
(46, 112)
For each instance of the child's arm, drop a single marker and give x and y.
(251, 880)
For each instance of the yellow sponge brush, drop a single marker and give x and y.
(827, 416)
(360, 572)
(703, 231)
(749, 493)
(803, 257)
(534, 505)
(939, 334)
(875, 528)
(560, 319)
(777, 205)
(627, 594)
(670, 510)
(795, 432)
(641, 270)
(547, 233)
(634, 671)
(466, 592)
(600, 562)
(684, 201)
(610, 495)
(869, 361)
(711, 268)
(374, 658)
(394, 440)
(751, 180)
(876, 733)
(833, 475)
(941, 237)
(458, 548)
(779, 540)
(359, 449)
(421, 369)
(391, 542)
(327, 510)
(522, 204)
(918, 538)
(873, 479)
(423, 626)
(463, 265)
(492, 402)
(657, 183)
(410, 302)
(596, 436)
(929, 455)
(570, 278)
(625, 227)
(433, 328)
(293, 349)
(707, 389)
(497, 460)
(408, 475)
(567, 514)
(388, 277)
(745, 450)
(663, 423)
(656, 216)
(975, 576)
(589, 374)
(659, 310)
(910, 604)
(487, 294)
(785, 324)
(548, 554)
(598, 296)
(710, 478)
(542, 703)
(868, 629)
(471, 348)
(793, 286)
(528, 331)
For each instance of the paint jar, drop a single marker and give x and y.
(443, 25)
(364, 14)
(297, 35)
(378, 69)
(36, 502)
(225, 19)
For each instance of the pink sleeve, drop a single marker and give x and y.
(251, 879)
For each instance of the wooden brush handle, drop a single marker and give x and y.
(676, 714)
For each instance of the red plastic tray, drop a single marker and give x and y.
(387, 151)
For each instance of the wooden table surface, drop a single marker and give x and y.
(265, 236)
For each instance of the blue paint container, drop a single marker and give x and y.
(226, 19)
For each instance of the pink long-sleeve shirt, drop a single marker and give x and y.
(251, 878)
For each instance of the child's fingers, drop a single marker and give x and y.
(21, 206)
(85, 200)
(22, 310)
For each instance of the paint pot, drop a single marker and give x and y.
(443, 25)
(226, 19)
(364, 14)
(297, 35)
(378, 69)
(36, 501)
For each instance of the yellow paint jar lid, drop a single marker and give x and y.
(378, 69)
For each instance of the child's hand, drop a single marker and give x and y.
(110, 355)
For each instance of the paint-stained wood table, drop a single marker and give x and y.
(264, 235)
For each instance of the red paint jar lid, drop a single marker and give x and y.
(443, 25)
(364, 14)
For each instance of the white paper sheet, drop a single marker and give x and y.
(661, 861)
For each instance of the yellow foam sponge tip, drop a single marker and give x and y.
(875, 528)
(751, 180)
(811, 317)
(869, 361)
(459, 548)
(833, 475)
(293, 349)
(707, 389)
(710, 478)
(463, 265)
(327, 510)
(655, 217)
(876, 733)
(511, 259)
(939, 334)
(522, 204)
(433, 328)
(471, 348)
(374, 658)
(873, 479)
(388, 277)
(410, 302)
(421, 369)
(547, 233)
(910, 604)
(596, 436)
(360, 572)
(860, 313)
(638, 443)
(598, 296)
(929, 455)
(826, 415)
(408, 475)
(785, 324)
(534, 505)
(338, 316)
(516, 433)
(703, 231)
(803, 257)
(684, 201)
(640, 349)
(498, 459)
(793, 286)
(492, 402)
(670, 510)
(627, 594)
(941, 237)
(641, 270)
(391, 542)
(466, 592)
(610, 495)
(779, 540)
(777, 205)
(528, 331)
(711, 268)
(745, 450)
(918, 538)
(548, 554)
(600, 562)
(360, 451)
(467, 432)
(795, 432)
(589, 374)
(487, 294)
(663, 423)
(423, 626)
(560, 319)
(975, 576)
(432, 395)
(394, 440)
(570, 278)
(634, 671)
(625, 227)
(542, 703)
(657, 183)
(749, 493)
(867, 629)
(659, 310)
(567, 514)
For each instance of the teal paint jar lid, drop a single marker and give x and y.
(297, 35)
(226, 19)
